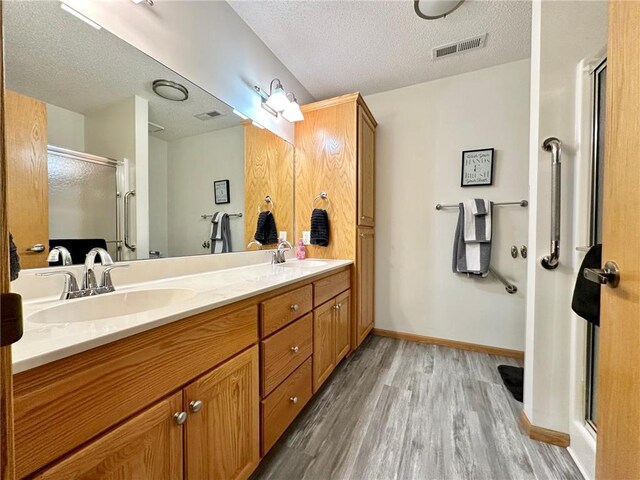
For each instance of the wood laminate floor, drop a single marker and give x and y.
(409, 411)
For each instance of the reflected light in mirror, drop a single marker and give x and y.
(77, 14)
(292, 112)
(277, 100)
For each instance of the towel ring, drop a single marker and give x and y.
(322, 196)
(270, 203)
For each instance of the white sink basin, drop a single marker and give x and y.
(111, 305)
(304, 264)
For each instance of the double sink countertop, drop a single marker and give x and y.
(54, 329)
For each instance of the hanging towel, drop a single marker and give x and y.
(586, 295)
(14, 260)
(472, 254)
(266, 231)
(319, 227)
(477, 221)
(220, 233)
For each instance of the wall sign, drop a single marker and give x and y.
(221, 191)
(477, 168)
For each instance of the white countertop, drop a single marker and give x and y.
(45, 343)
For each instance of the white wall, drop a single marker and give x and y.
(65, 128)
(206, 42)
(158, 196)
(194, 163)
(563, 35)
(422, 131)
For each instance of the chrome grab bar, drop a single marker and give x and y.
(509, 287)
(554, 146)
(127, 196)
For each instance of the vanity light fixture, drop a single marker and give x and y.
(277, 102)
(240, 114)
(170, 90)
(77, 14)
(148, 2)
(292, 112)
(434, 9)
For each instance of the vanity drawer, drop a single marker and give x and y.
(284, 404)
(284, 351)
(329, 287)
(284, 309)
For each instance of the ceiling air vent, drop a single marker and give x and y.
(208, 115)
(459, 47)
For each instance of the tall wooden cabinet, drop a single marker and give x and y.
(335, 154)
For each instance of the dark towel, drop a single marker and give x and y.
(266, 231)
(586, 295)
(513, 379)
(319, 227)
(14, 259)
(78, 248)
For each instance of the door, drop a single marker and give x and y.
(323, 343)
(223, 429)
(27, 191)
(365, 282)
(619, 350)
(147, 446)
(343, 325)
(366, 169)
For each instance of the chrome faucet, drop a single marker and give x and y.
(278, 256)
(60, 251)
(89, 277)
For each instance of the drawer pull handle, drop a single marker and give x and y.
(294, 400)
(195, 405)
(180, 417)
(294, 307)
(295, 349)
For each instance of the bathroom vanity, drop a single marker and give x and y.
(203, 386)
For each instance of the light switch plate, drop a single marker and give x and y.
(306, 238)
(283, 236)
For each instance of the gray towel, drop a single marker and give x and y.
(470, 257)
(220, 233)
(14, 260)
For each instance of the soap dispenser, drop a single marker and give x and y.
(301, 251)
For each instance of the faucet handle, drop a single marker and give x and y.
(70, 282)
(107, 285)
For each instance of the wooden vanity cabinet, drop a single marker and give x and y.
(148, 445)
(331, 336)
(366, 168)
(365, 284)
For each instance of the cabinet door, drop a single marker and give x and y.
(147, 446)
(222, 436)
(323, 344)
(366, 169)
(27, 181)
(343, 325)
(365, 281)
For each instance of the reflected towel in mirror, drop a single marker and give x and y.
(220, 233)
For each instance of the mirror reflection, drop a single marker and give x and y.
(112, 149)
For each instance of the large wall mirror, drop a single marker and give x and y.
(99, 156)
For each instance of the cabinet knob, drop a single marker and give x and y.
(195, 405)
(295, 349)
(339, 306)
(180, 417)
(362, 217)
(294, 307)
(294, 400)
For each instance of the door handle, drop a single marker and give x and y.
(609, 275)
(127, 201)
(37, 248)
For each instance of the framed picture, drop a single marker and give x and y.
(221, 191)
(477, 168)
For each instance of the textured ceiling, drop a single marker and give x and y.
(336, 47)
(53, 56)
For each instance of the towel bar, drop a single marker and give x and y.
(205, 215)
(522, 203)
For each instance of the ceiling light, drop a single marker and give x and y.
(148, 2)
(257, 125)
(170, 90)
(277, 96)
(77, 14)
(433, 9)
(292, 112)
(240, 114)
